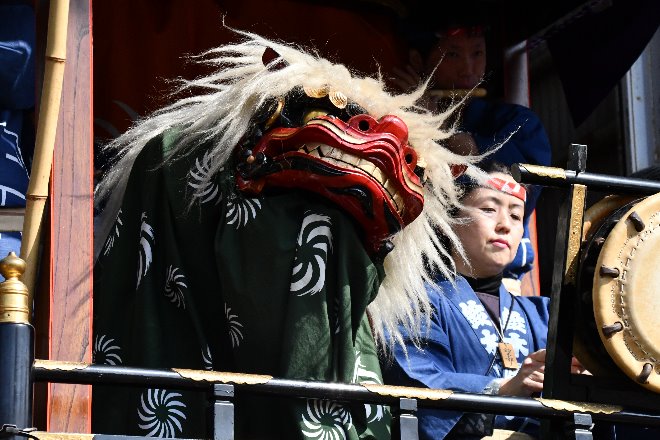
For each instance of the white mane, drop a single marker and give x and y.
(218, 109)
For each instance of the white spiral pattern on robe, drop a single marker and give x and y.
(174, 285)
(146, 242)
(105, 352)
(314, 244)
(201, 180)
(326, 420)
(362, 375)
(235, 327)
(161, 413)
(114, 235)
(240, 211)
(207, 360)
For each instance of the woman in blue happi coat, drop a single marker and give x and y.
(481, 339)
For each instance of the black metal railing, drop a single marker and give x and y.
(403, 401)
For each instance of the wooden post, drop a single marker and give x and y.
(71, 237)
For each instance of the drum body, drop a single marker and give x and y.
(618, 326)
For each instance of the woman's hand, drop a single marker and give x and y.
(409, 77)
(529, 379)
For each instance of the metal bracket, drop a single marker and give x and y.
(7, 431)
(580, 427)
(406, 419)
(223, 412)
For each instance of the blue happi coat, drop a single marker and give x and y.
(17, 35)
(460, 345)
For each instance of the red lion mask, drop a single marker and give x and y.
(362, 164)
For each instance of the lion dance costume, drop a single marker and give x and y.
(277, 219)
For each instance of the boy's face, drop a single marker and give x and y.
(462, 62)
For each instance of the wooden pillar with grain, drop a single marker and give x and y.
(71, 237)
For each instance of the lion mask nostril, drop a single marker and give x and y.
(364, 125)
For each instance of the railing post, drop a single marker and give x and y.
(564, 292)
(405, 423)
(222, 412)
(16, 349)
(579, 428)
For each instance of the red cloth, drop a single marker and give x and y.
(139, 44)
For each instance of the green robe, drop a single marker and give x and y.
(274, 285)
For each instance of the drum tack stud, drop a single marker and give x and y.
(646, 372)
(637, 221)
(609, 271)
(609, 330)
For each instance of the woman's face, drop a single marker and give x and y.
(491, 232)
(462, 61)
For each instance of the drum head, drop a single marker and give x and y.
(626, 293)
(599, 220)
(600, 211)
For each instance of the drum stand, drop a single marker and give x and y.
(559, 382)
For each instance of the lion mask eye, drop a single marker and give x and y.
(314, 113)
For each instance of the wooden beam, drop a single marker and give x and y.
(69, 406)
(11, 220)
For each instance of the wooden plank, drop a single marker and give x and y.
(531, 281)
(11, 219)
(69, 406)
(516, 89)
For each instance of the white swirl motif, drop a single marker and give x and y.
(114, 235)
(207, 360)
(362, 375)
(234, 327)
(201, 180)
(326, 420)
(174, 285)
(314, 244)
(161, 413)
(240, 211)
(105, 352)
(146, 242)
